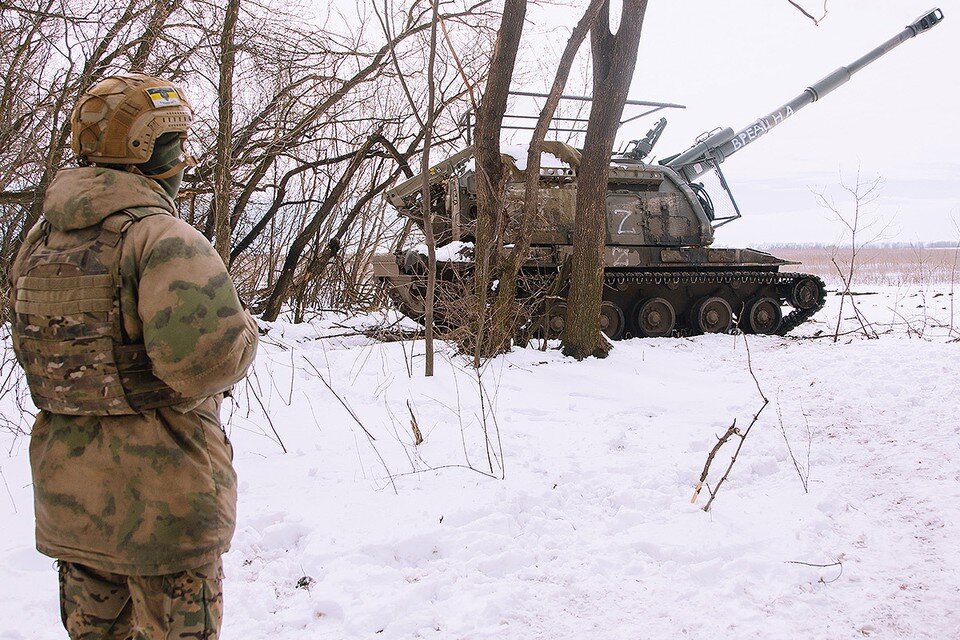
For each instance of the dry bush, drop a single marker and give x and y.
(15, 418)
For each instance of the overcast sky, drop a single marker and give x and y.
(731, 61)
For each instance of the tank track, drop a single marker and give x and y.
(673, 279)
(775, 278)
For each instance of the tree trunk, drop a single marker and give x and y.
(614, 59)
(427, 202)
(223, 163)
(505, 313)
(489, 166)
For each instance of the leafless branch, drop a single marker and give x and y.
(732, 431)
(816, 21)
(822, 566)
(370, 438)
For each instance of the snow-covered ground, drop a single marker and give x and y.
(551, 499)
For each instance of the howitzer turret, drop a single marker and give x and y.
(662, 277)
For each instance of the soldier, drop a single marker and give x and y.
(130, 331)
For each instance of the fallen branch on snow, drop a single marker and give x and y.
(731, 432)
(821, 566)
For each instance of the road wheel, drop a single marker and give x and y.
(805, 294)
(556, 319)
(611, 320)
(763, 316)
(713, 315)
(655, 318)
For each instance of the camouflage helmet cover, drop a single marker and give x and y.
(119, 119)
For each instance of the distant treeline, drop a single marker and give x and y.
(938, 244)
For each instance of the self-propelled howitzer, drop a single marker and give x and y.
(662, 277)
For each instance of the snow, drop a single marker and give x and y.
(451, 252)
(585, 529)
(519, 154)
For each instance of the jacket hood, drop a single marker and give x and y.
(79, 198)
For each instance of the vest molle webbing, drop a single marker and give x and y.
(67, 328)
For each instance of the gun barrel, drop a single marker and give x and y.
(720, 147)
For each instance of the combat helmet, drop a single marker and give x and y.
(119, 119)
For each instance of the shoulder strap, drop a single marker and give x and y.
(112, 230)
(139, 213)
(119, 222)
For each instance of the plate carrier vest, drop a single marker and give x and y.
(67, 329)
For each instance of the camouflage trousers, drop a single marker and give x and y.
(96, 605)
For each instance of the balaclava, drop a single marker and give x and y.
(166, 153)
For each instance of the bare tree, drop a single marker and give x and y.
(426, 200)
(614, 59)
(280, 102)
(153, 32)
(490, 173)
(294, 144)
(505, 316)
(223, 151)
(280, 291)
(857, 222)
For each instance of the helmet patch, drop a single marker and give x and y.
(164, 97)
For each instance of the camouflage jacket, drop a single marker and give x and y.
(153, 492)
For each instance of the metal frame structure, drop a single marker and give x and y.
(468, 118)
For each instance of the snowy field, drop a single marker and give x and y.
(551, 499)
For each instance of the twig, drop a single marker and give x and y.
(266, 414)
(806, 422)
(353, 415)
(829, 335)
(414, 426)
(953, 276)
(820, 566)
(491, 402)
(816, 21)
(408, 361)
(796, 464)
(456, 60)
(743, 436)
(446, 466)
(722, 440)
(396, 432)
(910, 328)
(856, 311)
(487, 406)
(7, 487)
(293, 371)
(348, 334)
(339, 398)
(459, 412)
